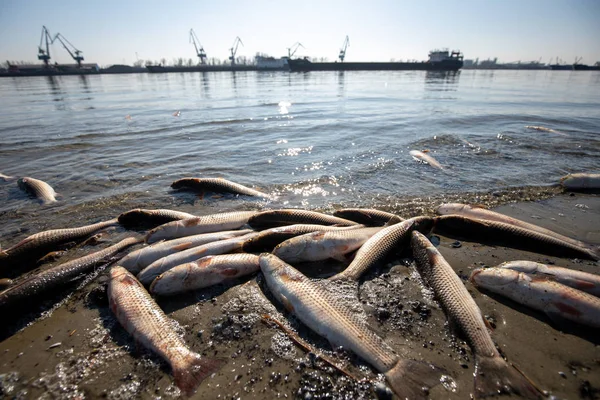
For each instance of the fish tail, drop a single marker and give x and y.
(411, 379)
(193, 369)
(493, 376)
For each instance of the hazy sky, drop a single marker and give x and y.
(111, 32)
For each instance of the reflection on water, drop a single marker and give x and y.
(85, 83)
(205, 79)
(341, 81)
(441, 80)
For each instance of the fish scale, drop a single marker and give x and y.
(140, 216)
(274, 218)
(217, 185)
(367, 216)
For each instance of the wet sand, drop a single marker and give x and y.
(81, 351)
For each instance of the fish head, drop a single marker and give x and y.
(291, 250)
(494, 277)
(22, 182)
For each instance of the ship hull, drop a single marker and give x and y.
(305, 65)
(157, 69)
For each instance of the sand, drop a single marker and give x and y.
(80, 350)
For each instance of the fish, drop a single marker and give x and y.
(559, 302)
(541, 129)
(6, 178)
(23, 255)
(499, 233)
(216, 185)
(482, 213)
(49, 280)
(151, 218)
(203, 224)
(581, 182)
(323, 313)
(275, 218)
(421, 156)
(367, 216)
(390, 239)
(143, 319)
(39, 189)
(205, 272)
(584, 281)
(137, 260)
(267, 239)
(233, 245)
(493, 374)
(317, 246)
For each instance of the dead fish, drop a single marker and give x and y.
(483, 213)
(203, 224)
(322, 245)
(6, 178)
(584, 281)
(147, 323)
(499, 233)
(216, 185)
(390, 239)
(49, 280)
(205, 272)
(5, 283)
(367, 216)
(560, 302)
(421, 156)
(151, 218)
(541, 129)
(581, 182)
(275, 218)
(267, 240)
(35, 246)
(233, 245)
(492, 374)
(326, 315)
(136, 261)
(39, 189)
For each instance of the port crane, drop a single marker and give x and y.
(234, 48)
(44, 54)
(75, 54)
(199, 52)
(343, 49)
(577, 60)
(292, 50)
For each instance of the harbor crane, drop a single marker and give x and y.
(44, 54)
(75, 54)
(577, 60)
(292, 50)
(343, 49)
(199, 51)
(234, 48)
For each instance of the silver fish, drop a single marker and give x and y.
(204, 224)
(584, 281)
(275, 218)
(147, 323)
(581, 182)
(380, 245)
(367, 216)
(153, 218)
(136, 261)
(558, 301)
(493, 375)
(40, 189)
(421, 156)
(323, 313)
(216, 185)
(205, 272)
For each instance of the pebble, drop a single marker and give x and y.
(456, 244)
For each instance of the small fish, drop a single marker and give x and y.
(367, 216)
(49, 280)
(581, 182)
(558, 301)
(275, 218)
(205, 272)
(216, 185)
(322, 312)
(233, 245)
(499, 233)
(541, 129)
(6, 178)
(24, 254)
(142, 318)
(137, 260)
(151, 218)
(421, 156)
(39, 189)
(321, 245)
(203, 224)
(584, 281)
(492, 374)
(390, 239)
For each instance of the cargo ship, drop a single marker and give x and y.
(439, 60)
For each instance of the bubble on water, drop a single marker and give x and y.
(8, 382)
(283, 346)
(128, 390)
(448, 383)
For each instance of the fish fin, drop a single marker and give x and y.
(229, 272)
(412, 380)
(487, 324)
(493, 376)
(425, 151)
(286, 303)
(182, 246)
(193, 370)
(393, 221)
(583, 285)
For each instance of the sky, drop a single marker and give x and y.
(116, 32)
